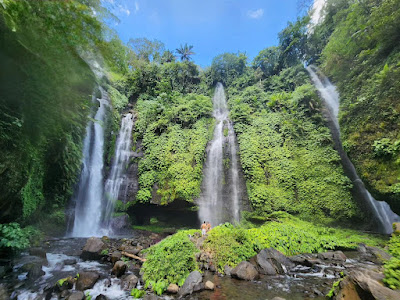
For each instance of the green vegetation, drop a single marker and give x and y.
(175, 130)
(13, 237)
(392, 266)
(358, 46)
(135, 293)
(170, 261)
(229, 245)
(286, 150)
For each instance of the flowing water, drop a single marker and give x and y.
(220, 200)
(89, 195)
(384, 216)
(116, 185)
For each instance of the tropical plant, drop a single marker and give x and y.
(185, 52)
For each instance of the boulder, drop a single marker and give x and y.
(86, 280)
(373, 254)
(119, 268)
(76, 295)
(39, 252)
(150, 297)
(278, 298)
(92, 249)
(173, 289)
(35, 271)
(333, 256)
(271, 262)
(363, 284)
(209, 285)
(101, 297)
(307, 260)
(193, 279)
(129, 282)
(115, 256)
(245, 271)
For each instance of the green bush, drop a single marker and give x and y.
(229, 245)
(13, 237)
(170, 261)
(392, 266)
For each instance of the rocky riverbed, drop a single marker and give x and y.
(107, 268)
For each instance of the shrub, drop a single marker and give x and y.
(170, 261)
(13, 237)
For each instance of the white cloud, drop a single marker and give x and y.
(124, 10)
(136, 7)
(255, 14)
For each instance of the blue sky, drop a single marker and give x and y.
(211, 26)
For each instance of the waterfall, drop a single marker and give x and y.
(381, 210)
(220, 199)
(116, 185)
(89, 194)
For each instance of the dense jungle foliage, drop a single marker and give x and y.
(285, 148)
(358, 47)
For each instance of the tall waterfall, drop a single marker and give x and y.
(116, 185)
(220, 199)
(381, 211)
(89, 195)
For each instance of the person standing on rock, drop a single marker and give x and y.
(203, 228)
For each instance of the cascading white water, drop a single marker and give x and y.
(87, 221)
(117, 178)
(220, 201)
(380, 209)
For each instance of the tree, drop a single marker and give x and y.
(185, 52)
(292, 42)
(147, 50)
(167, 57)
(228, 66)
(268, 60)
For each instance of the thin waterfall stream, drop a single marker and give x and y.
(116, 185)
(220, 199)
(384, 216)
(89, 195)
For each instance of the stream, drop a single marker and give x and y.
(63, 260)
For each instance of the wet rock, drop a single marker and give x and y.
(76, 295)
(120, 222)
(134, 251)
(193, 279)
(150, 297)
(86, 280)
(271, 262)
(129, 282)
(92, 249)
(332, 255)
(373, 254)
(3, 293)
(35, 271)
(36, 251)
(173, 288)
(101, 297)
(70, 261)
(245, 271)
(115, 256)
(227, 270)
(307, 260)
(198, 287)
(209, 285)
(362, 284)
(119, 268)
(64, 294)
